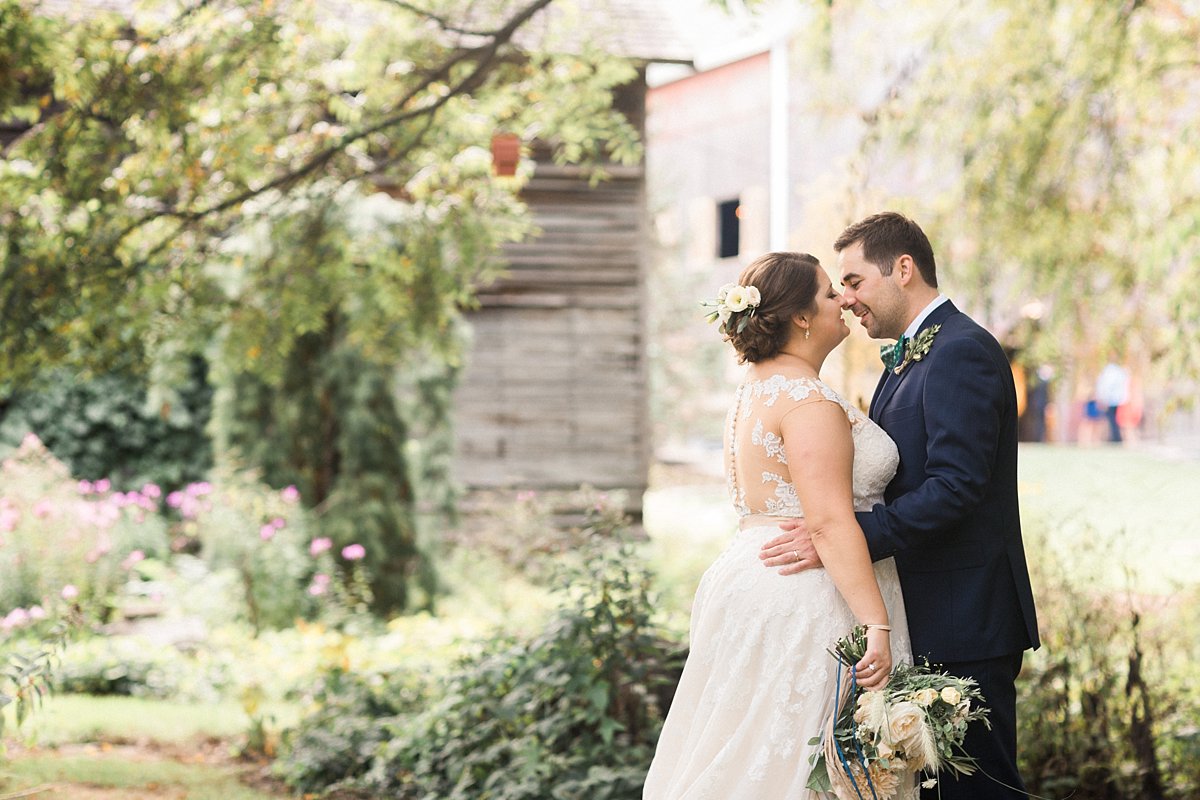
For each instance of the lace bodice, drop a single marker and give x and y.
(756, 461)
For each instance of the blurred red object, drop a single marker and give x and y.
(506, 152)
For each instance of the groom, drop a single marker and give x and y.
(946, 398)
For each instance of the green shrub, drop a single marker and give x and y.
(571, 713)
(108, 427)
(260, 535)
(1105, 708)
(339, 741)
(137, 667)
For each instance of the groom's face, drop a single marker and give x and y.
(875, 298)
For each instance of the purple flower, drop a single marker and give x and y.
(151, 490)
(199, 489)
(319, 585)
(175, 499)
(266, 532)
(85, 487)
(279, 523)
(319, 545)
(291, 494)
(102, 485)
(353, 552)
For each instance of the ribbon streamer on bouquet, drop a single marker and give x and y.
(843, 777)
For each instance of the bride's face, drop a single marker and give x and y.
(827, 322)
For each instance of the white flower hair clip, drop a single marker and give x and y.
(733, 299)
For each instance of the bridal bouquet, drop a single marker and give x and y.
(875, 742)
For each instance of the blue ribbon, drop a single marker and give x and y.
(854, 733)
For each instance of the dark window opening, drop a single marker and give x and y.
(729, 228)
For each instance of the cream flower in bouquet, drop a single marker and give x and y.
(876, 742)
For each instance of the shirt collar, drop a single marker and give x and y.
(912, 329)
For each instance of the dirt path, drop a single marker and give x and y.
(208, 753)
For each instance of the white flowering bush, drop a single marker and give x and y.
(877, 742)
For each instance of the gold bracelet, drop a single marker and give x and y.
(887, 628)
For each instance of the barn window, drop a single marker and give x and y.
(729, 218)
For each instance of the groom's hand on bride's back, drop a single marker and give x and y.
(791, 550)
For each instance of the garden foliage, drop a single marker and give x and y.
(572, 712)
(304, 197)
(110, 427)
(1108, 707)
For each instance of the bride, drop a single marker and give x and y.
(759, 682)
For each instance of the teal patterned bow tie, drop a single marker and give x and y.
(893, 354)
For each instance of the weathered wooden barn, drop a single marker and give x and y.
(555, 391)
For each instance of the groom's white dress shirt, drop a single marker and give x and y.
(912, 329)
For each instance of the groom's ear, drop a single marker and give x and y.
(904, 270)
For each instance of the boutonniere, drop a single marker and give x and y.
(918, 348)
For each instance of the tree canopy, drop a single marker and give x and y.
(1058, 152)
(156, 164)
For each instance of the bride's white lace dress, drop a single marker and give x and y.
(759, 681)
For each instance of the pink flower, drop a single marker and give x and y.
(85, 487)
(175, 499)
(291, 494)
(37, 612)
(199, 489)
(526, 496)
(319, 545)
(151, 490)
(133, 558)
(319, 585)
(9, 517)
(279, 523)
(353, 552)
(15, 619)
(70, 592)
(266, 532)
(102, 485)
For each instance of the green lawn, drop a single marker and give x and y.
(138, 749)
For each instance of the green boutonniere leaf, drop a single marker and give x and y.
(918, 348)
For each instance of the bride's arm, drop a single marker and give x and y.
(820, 457)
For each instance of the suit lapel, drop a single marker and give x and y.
(886, 387)
(875, 397)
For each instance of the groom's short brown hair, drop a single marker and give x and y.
(887, 236)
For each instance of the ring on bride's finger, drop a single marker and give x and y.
(796, 553)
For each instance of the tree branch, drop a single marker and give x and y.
(484, 56)
(441, 21)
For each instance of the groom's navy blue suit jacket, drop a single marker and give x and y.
(951, 517)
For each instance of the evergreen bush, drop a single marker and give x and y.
(107, 428)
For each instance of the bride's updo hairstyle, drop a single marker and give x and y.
(788, 285)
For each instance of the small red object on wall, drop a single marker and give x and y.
(506, 152)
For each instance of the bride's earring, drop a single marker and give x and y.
(806, 334)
